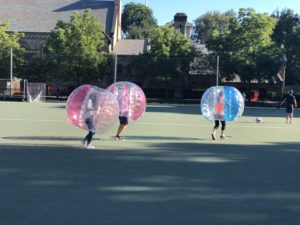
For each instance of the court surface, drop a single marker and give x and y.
(167, 171)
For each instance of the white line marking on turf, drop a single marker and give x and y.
(261, 126)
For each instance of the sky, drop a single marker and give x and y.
(164, 10)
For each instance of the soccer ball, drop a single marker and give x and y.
(258, 119)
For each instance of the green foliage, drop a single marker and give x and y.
(74, 53)
(212, 24)
(168, 42)
(287, 35)
(137, 21)
(247, 46)
(10, 41)
(169, 58)
(35, 68)
(203, 63)
(254, 30)
(251, 38)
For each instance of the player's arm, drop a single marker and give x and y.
(295, 102)
(278, 106)
(283, 101)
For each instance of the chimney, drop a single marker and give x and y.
(180, 20)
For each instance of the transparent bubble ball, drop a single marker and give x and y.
(131, 98)
(90, 101)
(222, 103)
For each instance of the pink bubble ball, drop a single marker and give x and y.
(131, 98)
(104, 104)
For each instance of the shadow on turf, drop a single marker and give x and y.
(163, 183)
(44, 138)
(58, 106)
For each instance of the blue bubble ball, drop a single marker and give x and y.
(222, 103)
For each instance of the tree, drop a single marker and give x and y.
(137, 21)
(213, 29)
(287, 35)
(203, 63)
(252, 37)
(74, 52)
(10, 41)
(167, 63)
(212, 24)
(244, 47)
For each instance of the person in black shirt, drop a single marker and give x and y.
(290, 104)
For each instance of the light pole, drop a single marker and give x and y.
(217, 82)
(115, 68)
(11, 72)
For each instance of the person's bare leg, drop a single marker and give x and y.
(291, 117)
(121, 130)
(213, 135)
(222, 134)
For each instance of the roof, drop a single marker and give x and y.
(130, 47)
(42, 15)
(172, 23)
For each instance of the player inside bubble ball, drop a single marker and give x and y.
(122, 127)
(219, 116)
(91, 110)
(124, 103)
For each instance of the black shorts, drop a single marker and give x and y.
(289, 109)
(217, 124)
(123, 120)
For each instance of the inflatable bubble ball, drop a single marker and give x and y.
(222, 103)
(131, 98)
(99, 105)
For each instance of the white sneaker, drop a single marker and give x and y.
(119, 138)
(89, 146)
(83, 142)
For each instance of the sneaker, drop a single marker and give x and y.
(83, 142)
(213, 137)
(89, 146)
(222, 137)
(119, 138)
